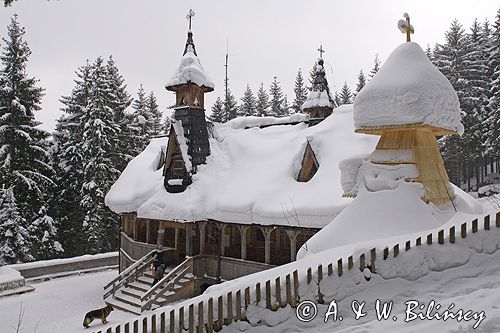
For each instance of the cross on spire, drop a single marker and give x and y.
(321, 51)
(189, 16)
(406, 27)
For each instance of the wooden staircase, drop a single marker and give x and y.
(132, 290)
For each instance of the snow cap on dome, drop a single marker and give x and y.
(408, 89)
(190, 70)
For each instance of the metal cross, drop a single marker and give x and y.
(321, 51)
(189, 16)
(408, 28)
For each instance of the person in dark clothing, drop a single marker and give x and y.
(158, 266)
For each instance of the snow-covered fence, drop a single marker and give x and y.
(209, 313)
(67, 266)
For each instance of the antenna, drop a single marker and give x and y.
(226, 65)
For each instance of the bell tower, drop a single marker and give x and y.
(188, 143)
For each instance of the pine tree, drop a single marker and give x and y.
(14, 238)
(262, 105)
(493, 135)
(154, 114)
(345, 95)
(167, 122)
(361, 81)
(429, 54)
(376, 66)
(142, 116)
(68, 163)
(312, 74)
(24, 160)
(44, 237)
(277, 98)
(217, 111)
(230, 106)
(300, 91)
(128, 141)
(460, 59)
(247, 103)
(100, 223)
(337, 99)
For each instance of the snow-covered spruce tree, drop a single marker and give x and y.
(142, 116)
(361, 82)
(100, 224)
(450, 59)
(493, 136)
(44, 237)
(128, 143)
(300, 91)
(460, 61)
(230, 105)
(69, 162)
(154, 113)
(167, 122)
(376, 66)
(217, 114)
(474, 100)
(24, 160)
(262, 104)
(345, 95)
(336, 98)
(312, 75)
(247, 107)
(277, 98)
(14, 238)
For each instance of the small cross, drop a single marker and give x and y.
(189, 16)
(408, 28)
(321, 51)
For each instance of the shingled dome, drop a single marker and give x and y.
(408, 90)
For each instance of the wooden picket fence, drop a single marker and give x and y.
(212, 314)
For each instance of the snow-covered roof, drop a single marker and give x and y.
(250, 176)
(190, 71)
(408, 89)
(317, 99)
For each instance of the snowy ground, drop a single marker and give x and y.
(58, 305)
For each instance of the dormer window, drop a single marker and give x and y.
(310, 165)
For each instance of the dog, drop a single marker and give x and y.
(97, 314)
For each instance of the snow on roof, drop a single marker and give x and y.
(250, 176)
(139, 181)
(181, 140)
(408, 89)
(386, 206)
(317, 99)
(253, 121)
(190, 71)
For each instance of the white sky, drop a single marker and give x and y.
(266, 39)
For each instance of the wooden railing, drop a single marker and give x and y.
(170, 279)
(129, 274)
(200, 315)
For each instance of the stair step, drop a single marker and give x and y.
(139, 286)
(132, 292)
(123, 306)
(124, 298)
(145, 280)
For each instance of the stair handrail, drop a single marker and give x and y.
(170, 284)
(172, 273)
(125, 275)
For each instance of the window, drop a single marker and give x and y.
(310, 165)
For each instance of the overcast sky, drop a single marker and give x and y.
(266, 39)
